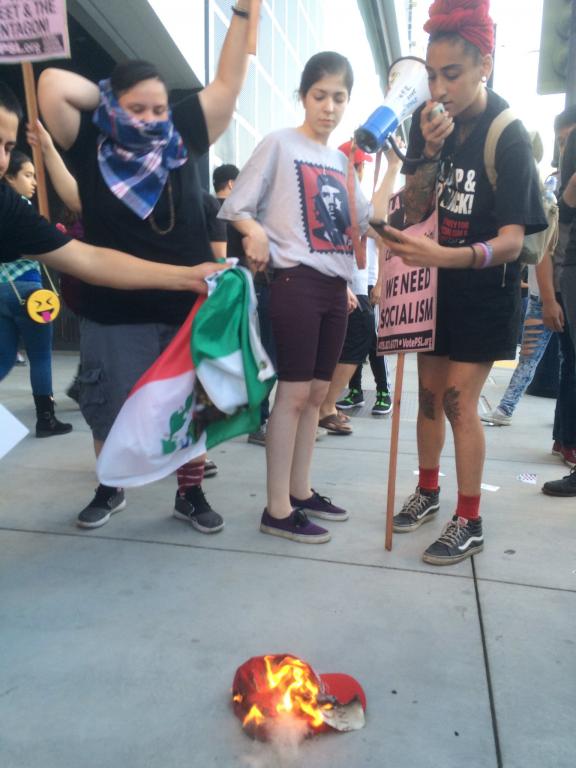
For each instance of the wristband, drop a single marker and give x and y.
(434, 159)
(488, 252)
(472, 264)
(240, 12)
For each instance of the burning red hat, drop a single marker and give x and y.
(468, 18)
(359, 155)
(267, 688)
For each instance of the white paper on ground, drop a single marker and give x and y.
(11, 431)
(527, 477)
(486, 487)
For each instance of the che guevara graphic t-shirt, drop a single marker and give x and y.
(296, 188)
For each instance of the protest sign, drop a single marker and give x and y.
(33, 30)
(407, 323)
(11, 431)
(407, 320)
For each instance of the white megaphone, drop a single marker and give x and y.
(407, 90)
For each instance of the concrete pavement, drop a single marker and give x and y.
(118, 646)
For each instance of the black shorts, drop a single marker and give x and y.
(478, 314)
(359, 333)
(308, 312)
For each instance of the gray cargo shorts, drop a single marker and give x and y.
(112, 359)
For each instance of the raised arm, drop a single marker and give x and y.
(63, 181)
(420, 186)
(115, 269)
(218, 99)
(62, 96)
(381, 196)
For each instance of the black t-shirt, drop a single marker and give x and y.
(216, 227)
(469, 209)
(109, 222)
(23, 232)
(568, 219)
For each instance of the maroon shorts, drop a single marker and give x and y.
(308, 311)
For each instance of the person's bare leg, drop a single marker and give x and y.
(97, 446)
(305, 439)
(460, 401)
(289, 404)
(342, 375)
(431, 421)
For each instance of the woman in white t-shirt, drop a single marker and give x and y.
(291, 205)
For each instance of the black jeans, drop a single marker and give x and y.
(377, 364)
(565, 414)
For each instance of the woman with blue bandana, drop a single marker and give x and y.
(135, 158)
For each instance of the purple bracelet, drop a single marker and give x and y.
(488, 252)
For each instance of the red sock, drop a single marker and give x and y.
(189, 474)
(468, 506)
(428, 480)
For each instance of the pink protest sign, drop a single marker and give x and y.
(33, 30)
(407, 321)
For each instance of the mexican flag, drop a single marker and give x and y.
(205, 388)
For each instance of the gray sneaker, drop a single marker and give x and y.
(496, 418)
(194, 508)
(421, 507)
(106, 502)
(258, 437)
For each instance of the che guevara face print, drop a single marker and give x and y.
(324, 207)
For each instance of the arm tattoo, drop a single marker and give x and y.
(419, 192)
(451, 404)
(426, 401)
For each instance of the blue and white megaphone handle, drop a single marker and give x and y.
(407, 90)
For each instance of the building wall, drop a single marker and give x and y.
(290, 32)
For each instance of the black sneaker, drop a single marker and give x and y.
(460, 539)
(105, 503)
(564, 487)
(383, 404)
(421, 507)
(194, 507)
(353, 399)
(210, 469)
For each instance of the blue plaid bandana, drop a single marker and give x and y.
(135, 157)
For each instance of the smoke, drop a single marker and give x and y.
(282, 750)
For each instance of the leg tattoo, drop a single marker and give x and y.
(451, 404)
(426, 401)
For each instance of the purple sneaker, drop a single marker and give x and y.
(320, 506)
(296, 527)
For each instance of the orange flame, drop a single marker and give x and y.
(295, 691)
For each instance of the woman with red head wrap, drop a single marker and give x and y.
(480, 235)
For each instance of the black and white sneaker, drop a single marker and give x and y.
(194, 508)
(460, 539)
(210, 468)
(421, 507)
(106, 502)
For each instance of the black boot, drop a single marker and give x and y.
(47, 424)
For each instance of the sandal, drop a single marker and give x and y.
(344, 418)
(334, 425)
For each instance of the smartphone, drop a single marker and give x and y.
(437, 110)
(378, 226)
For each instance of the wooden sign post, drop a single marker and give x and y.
(32, 112)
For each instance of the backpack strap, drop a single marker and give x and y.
(497, 127)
